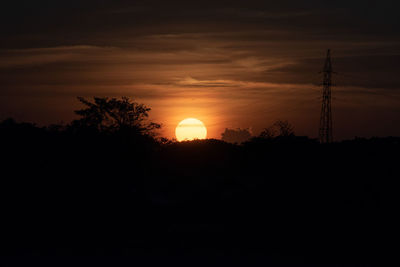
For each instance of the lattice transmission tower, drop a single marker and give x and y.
(325, 125)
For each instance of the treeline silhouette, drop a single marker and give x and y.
(106, 180)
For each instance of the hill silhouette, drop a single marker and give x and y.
(71, 189)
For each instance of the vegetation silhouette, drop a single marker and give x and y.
(236, 136)
(114, 115)
(107, 181)
(279, 128)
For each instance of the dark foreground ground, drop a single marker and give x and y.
(94, 200)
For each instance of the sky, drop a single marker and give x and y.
(230, 64)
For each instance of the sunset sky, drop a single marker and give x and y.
(228, 63)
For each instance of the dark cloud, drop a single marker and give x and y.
(52, 23)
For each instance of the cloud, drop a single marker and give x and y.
(32, 57)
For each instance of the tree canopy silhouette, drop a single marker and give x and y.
(237, 136)
(279, 128)
(113, 115)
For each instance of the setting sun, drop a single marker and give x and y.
(190, 129)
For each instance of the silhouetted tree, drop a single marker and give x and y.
(279, 128)
(268, 133)
(113, 115)
(284, 128)
(236, 136)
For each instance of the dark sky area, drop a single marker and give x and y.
(228, 63)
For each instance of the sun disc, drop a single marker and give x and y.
(190, 129)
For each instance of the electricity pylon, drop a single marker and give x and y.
(325, 125)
